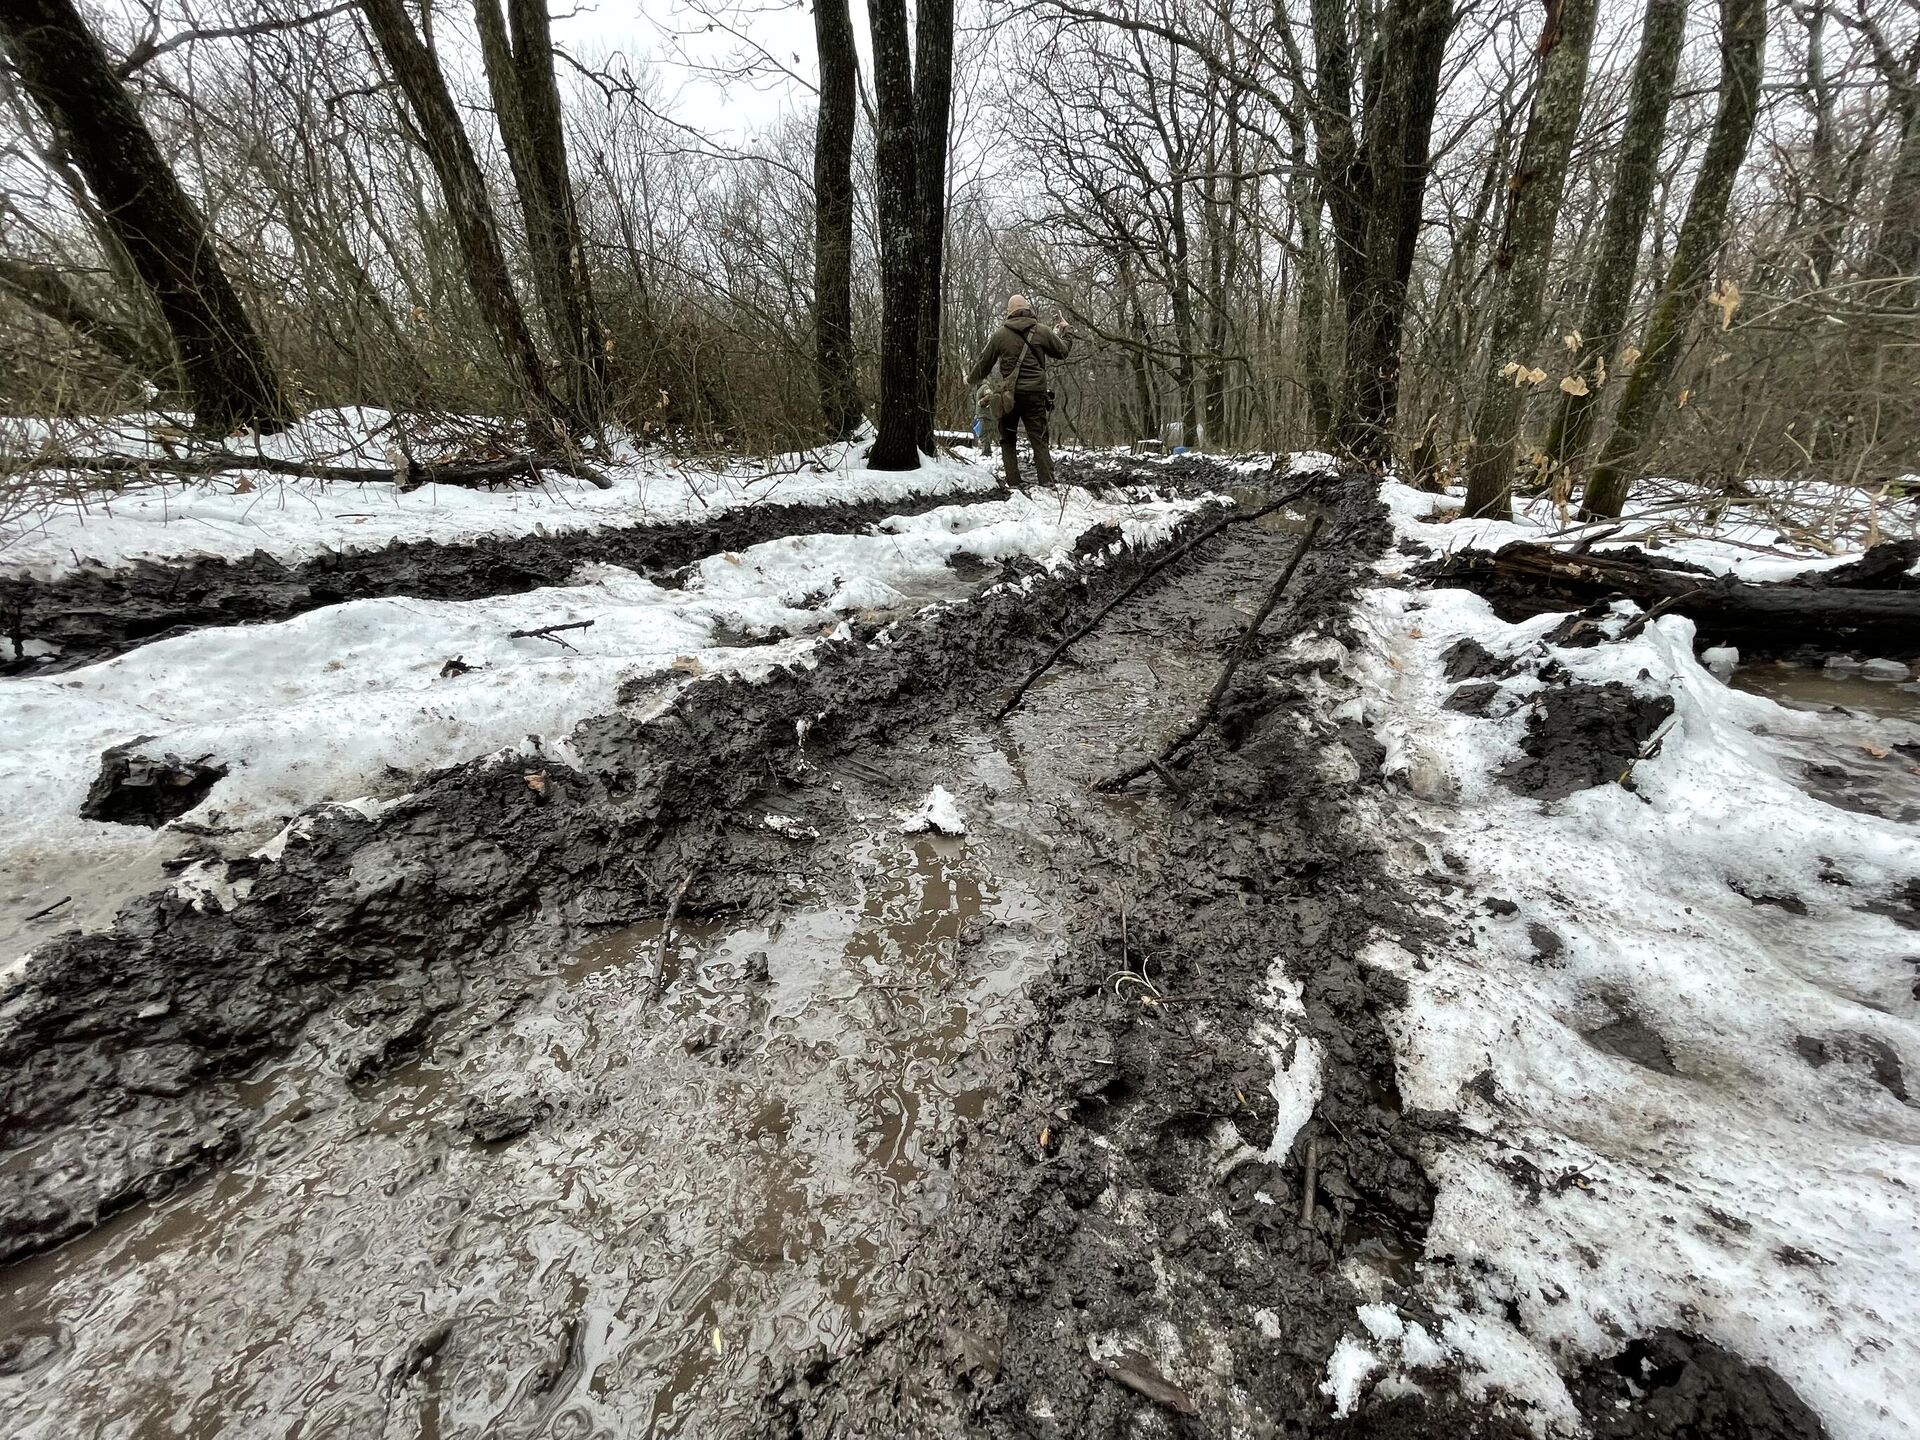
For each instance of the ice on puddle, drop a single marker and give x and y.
(939, 812)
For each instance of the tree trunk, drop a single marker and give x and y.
(833, 219)
(229, 379)
(1743, 45)
(1375, 201)
(897, 190)
(1533, 206)
(932, 101)
(470, 213)
(1149, 419)
(1610, 284)
(519, 61)
(1896, 245)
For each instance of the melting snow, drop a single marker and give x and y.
(939, 812)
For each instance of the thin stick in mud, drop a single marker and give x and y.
(1242, 648)
(1178, 553)
(657, 986)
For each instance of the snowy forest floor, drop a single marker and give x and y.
(710, 1020)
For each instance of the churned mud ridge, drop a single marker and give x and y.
(117, 1050)
(95, 612)
(1123, 1253)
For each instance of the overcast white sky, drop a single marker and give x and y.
(686, 42)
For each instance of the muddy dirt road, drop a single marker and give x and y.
(1080, 1123)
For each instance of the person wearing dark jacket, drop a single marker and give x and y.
(1021, 348)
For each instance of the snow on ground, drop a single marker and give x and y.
(939, 812)
(1754, 1177)
(236, 514)
(324, 706)
(1788, 529)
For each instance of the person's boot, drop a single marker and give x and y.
(1010, 462)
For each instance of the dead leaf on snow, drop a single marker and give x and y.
(687, 665)
(1878, 752)
(1573, 385)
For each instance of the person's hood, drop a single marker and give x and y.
(1022, 322)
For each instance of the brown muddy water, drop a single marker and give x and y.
(1865, 754)
(587, 1212)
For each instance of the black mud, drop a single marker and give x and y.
(1670, 1386)
(1579, 736)
(109, 1050)
(96, 612)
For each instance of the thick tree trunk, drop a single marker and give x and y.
(1375, 201)
(897, 187)
(1533, 206)
(932, 102)
(1610, 284)
(1896, 245)
(230, 381)
(1743, 45)
(518, 55)
(470, 213)
(833, 219)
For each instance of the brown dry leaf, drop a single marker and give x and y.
(1414, 633)
(665, 400)
(687, 665)
(729, 557)
(1685, 396)
(243, 486)
(536, 781)
(1572, 341)
(1509, 370)
(1878, 752)
(1536, 375)
(1629, 355)
(1599, 369)
(1573, 385)
(1726, 299)
(1046, 1136)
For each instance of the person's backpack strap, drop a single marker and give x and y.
(1026, 348)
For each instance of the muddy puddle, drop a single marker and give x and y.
(592, 1215)
(609, 1205)
(1865, 753)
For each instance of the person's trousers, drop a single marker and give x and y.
(1030, 410)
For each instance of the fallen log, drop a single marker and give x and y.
(408, 476)
(1870, 604)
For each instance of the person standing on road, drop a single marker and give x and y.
(1020, 349)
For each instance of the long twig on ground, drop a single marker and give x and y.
(1195, 727)
(41, 914)
(659, 982)
(408, 476)
(549, 632)
(1174, 556)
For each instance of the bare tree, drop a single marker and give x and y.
(833, 218)
(1743, 44)
(230, 380)
(1533, 205)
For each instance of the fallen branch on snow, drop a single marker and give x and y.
(543, 632)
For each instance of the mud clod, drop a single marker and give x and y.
(138, 789)
(1580, 736)
(1671, 1386)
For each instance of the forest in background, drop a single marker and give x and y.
(1537, 245)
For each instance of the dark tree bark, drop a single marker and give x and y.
(932, 104)
(518, 54)
(896, 182)
(1743, 46)
(469, 211)
(1374, 190)
(1533, 206)
(833, 219)
(229, 379)
(1610, 285)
